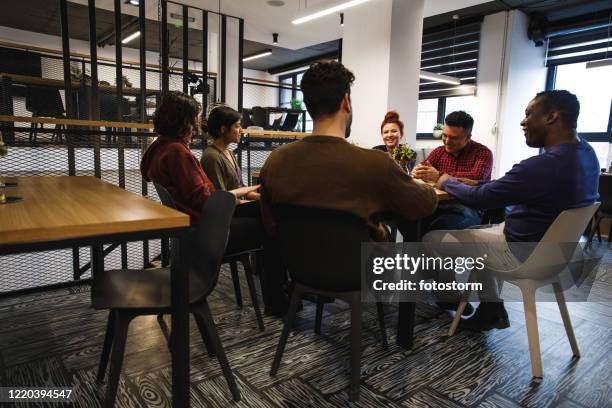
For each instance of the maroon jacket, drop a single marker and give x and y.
(169, 162)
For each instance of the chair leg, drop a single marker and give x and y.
(355, 347)
(531, 320)
(236, 281)
(296, 295)
(165, 330)
(569, 330)
(594, 228)
(248, 271)
(122, 323)
(204, 334)
(211, 330)
(610, 233)
(465, 296)
(381, 323)
(106, 348)
(319, 315)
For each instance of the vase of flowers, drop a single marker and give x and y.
(437, 131)
(404, 156)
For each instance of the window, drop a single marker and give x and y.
(427, 115)
(595, 100)
(464, 103)
(286, 95)
(593, 94)
(433, 111)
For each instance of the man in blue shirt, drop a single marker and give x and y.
(564, 176)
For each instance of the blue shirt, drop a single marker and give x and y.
(565, 176)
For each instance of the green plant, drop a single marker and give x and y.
(403, 153)
(438, 126)
(296, 104)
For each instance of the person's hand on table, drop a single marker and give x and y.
(244, 191)
(426, 172)
(442, 179)
(468, 181)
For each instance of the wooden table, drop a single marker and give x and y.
(66, 212)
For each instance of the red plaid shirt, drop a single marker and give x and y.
(474, 162)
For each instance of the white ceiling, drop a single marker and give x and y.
(261, 19)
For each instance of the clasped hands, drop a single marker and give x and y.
(428, 173)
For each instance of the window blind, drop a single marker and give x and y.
(453, 52)
(581, 45)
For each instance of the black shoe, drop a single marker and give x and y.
(452, 306)
(489, 315)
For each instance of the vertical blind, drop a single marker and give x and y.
(453, 52)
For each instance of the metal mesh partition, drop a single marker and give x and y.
(49, 157)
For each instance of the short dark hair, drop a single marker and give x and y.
(175, 113)
(460, 119)
(566, 103)
(324, 85)
(221, 116)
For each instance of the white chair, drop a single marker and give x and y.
(543, 267)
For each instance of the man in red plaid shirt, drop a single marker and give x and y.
(460, 157)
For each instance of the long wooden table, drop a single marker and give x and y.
(68, 212)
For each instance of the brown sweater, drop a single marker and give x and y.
(328, 172)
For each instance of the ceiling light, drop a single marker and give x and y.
(130, 37)
(439, 78)
(180, 17)
(599, 63)
(276, 3)
(324, 9)
(275, 38)
(341, 19)
(133, 2)
(258, 55)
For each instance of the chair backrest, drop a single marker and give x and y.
(558, 245)
(605, 193)
(245, 120)
(276, 123)
(44, 101)
(290, 121)
(209, 240)
(259, 117)
(322, 248)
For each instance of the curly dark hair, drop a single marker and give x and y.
(221, 116)
(565, 102)
(175, 113)
(460, 119)
(324, 85)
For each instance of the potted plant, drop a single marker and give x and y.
(404, 156)
(125, 81)
(437, 130)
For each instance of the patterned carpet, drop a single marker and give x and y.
(54, 338)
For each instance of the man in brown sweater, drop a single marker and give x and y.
(326, 171)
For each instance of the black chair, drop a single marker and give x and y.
(322, 251)
(132, 293)
(291, 120)
(232, 258)
(108, 111)
(245, 120)
(605, 210)
(44, 102)
(277, 123)
(259, 117)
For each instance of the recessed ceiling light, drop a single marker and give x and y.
(276, 3)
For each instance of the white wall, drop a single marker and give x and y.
(525, 76)
(381, 45)
(366, 53)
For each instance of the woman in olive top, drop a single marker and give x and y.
(224, 172)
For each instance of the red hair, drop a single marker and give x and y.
(392, 117)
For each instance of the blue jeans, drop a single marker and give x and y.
(448, 216)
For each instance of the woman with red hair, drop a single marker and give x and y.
(391, 131)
